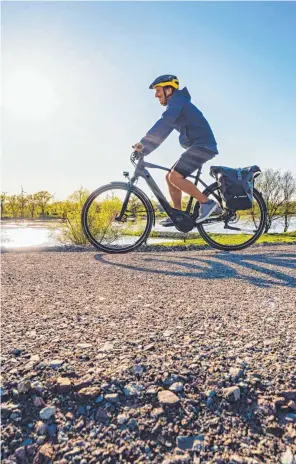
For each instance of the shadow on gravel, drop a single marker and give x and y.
(220, 266)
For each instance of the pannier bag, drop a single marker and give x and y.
(236, 185)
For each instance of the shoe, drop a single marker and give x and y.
(206, 209)
(167, 222)
(218, 210)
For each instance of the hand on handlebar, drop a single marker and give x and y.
(138, 147)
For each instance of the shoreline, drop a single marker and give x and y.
(142, 249)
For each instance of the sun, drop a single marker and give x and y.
(30, 95)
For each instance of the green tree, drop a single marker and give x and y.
(32, 205)
(3, 203)
(23, 201)
(13, 206)
(43, 198)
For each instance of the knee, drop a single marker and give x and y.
(175, 177)
(167, 177)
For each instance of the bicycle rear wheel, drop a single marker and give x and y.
(100, 218)
(234, 230)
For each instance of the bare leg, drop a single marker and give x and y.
(175, 192)
(186, 186)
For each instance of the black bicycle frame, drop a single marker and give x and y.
(141, 171)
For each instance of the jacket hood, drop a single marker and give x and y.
(183, 93)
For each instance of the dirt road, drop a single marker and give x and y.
(173, 357)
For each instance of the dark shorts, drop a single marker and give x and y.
(191, 160)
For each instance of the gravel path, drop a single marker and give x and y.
(176, 357)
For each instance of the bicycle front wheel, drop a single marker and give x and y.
(233, 231)
(116, 218)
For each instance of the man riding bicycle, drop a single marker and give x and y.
(195, 135)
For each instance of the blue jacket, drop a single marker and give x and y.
(189, 121)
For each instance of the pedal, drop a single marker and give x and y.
(167, 225)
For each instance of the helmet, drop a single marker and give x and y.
(163, 81)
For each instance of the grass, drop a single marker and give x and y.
(289, 237)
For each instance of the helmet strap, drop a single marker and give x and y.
(165, 96)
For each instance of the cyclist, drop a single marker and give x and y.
(196, 137)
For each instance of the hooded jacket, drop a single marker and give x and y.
(188, 120)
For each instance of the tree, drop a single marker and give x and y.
(289, 190)
(13, 205)
(270, 184)
(3, 199)
(43, 198)
(32, 205)
(22, 199)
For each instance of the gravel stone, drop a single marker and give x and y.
(168, 398)
(231, 393)
(47, 413)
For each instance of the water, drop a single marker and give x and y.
(29, 234)
(278, 227)
(24, 234)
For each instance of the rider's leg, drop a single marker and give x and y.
(181, 184)
(191, 160)
(175, 192)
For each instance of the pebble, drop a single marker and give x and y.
(231, 394)
(45, 454)
(47, 413)
(20, 453)
(132, 389)
(102, 416)
(24, 387)
(35, 358)
(112, 398)
(106, 347)
(236, 373)
(288, 457)
(41, 428)
(168, 398)
(38, 402)
(187, 442)
(89, 392)
(56, 363)
(122, 419)
(63, 384)
(84, 346)
(177, 387)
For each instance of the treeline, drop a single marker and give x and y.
(278, 189)
(279, 192)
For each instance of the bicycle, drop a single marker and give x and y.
(118, 217)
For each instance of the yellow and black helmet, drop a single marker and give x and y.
(165, 80)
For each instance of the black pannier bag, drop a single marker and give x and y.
(236, 185)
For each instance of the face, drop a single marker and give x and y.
(159, 93)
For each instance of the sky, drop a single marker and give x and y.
(75, 78)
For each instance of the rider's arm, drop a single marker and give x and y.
(160, 131)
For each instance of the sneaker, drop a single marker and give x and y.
(206, 209)
(218, 210)
(167, 222)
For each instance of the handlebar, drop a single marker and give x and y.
(135, 156)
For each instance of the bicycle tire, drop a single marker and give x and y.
(113, 186)
(258, 197)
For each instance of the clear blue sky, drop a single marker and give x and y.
(76, 76)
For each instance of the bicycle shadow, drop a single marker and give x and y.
(260, 269)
